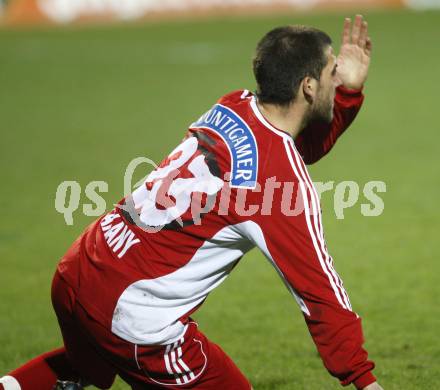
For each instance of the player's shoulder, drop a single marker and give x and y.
(235, 97)
(247, 140)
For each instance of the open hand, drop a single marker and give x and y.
(355, 53)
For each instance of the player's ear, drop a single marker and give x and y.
(309, 88)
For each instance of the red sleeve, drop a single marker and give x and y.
(292, 239)
(317, 139)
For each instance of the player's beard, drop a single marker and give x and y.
(322, 108)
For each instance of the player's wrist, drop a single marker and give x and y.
(350, 89)
(364, 380)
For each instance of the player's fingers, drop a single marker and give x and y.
(356, 32)
(368, 46)
(346, 31)
(363, 35)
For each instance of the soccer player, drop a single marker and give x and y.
(125, 290)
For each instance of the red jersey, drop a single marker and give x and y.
(235, 182)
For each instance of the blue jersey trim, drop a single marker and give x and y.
(240, 140)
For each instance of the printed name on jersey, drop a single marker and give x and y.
(118, 236)
(240, 141)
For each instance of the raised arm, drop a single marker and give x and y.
(292, 238)
(317, 139)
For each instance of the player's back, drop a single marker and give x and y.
(150, 262)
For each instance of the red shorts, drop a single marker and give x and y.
(193, 362)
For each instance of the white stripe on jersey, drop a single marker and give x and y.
(318, 223)
(326, 265)
(263, 120)
(167, 363)
(149, 310)
(10, 383)
(181, 362)
(309, 223)
(254, 233)
(172, 349)
(176, 367)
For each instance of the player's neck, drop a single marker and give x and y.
(290, 119)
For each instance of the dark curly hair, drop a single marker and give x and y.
(284, 56)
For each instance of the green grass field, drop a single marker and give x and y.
(79, 104)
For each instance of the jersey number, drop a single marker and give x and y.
(167, 192)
